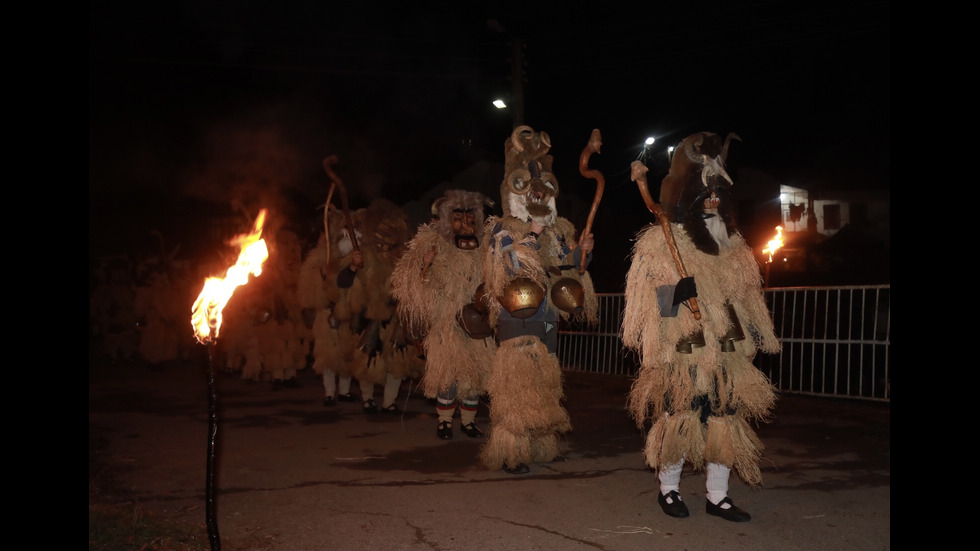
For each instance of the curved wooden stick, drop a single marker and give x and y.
(595, 143)
(638, 173)
(328, 163)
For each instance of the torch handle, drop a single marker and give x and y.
(638, 173)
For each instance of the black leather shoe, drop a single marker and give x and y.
(472, 431)
(733, 513)
(392, 409)
(370, 407)
(329, 401)
(672, 504)
(445, 430)
(521, 468)
(347, 397)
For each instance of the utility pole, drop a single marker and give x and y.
(517, 80)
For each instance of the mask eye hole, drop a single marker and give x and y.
(551, 183)
(519, 181)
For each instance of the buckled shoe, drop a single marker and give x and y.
(733, 513)
(472, 430)
(672, 504)
(445, 430)
(521, 468)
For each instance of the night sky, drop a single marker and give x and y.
(200, 109)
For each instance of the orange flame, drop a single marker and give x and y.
(206, 312)
(775, 243)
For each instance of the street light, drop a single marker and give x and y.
(499, 104)
(670, 153)
(645, 149)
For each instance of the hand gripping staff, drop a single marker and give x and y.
(638, 173)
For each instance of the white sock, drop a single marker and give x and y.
(717, 483)
(670, 477)
(344, 387)
(392, 386)
(329, 382)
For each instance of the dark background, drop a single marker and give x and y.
(208, 110)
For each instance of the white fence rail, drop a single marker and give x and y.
(835, 341)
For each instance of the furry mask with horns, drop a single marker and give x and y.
(529, 187)
(697, 191)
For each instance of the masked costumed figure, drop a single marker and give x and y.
(530, 250)
(282, 337)
(434, 284)
(326, 308)
(383, 357)
(696, 314)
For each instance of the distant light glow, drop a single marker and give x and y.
(650, 141)
(499, 104)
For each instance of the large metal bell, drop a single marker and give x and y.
(521, 297)
(687, 344)
(568, 295)
(734, 332)
(475, 323)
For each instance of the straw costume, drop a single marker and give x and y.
(434, 284)
(326, 308)
(528, 250)
(383, 356)
(697, 384)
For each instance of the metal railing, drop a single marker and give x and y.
(835, 341)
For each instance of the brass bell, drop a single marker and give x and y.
(522, 297)
(687, 344)
(474, 322)
(568, 295)
(734, 332)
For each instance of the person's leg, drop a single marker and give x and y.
(367, 397)
(329, 387)
(669, 496)
(343, 388)
(467, 416)
(445, 410)
(393, 386)
(719, 504)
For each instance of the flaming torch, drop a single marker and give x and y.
(774, 244)
(206, 322)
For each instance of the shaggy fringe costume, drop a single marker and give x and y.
(383, 356)
(525, 385)
(284, 341)
(334, 340)
(429, 297)
(669, 382)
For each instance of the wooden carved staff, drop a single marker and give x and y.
(638, 173)
(328, 167)
(595, 143)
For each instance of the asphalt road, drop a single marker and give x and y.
(292, 474)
